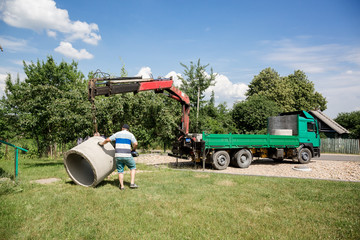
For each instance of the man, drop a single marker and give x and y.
(123, 142)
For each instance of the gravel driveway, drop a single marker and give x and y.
(319, 169)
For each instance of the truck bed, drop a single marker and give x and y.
(230, 141)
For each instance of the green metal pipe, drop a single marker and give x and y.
(16, 163)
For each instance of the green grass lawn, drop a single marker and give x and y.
(172, 204)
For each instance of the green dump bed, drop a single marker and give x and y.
(233, 141)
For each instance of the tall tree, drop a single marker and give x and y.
(292, 93)
(303, 93)
(196, 81)
(194, 84)
(51, 103)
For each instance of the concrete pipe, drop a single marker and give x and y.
(283, 132)
(88, 163)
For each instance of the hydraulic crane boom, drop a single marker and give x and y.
(111, 86)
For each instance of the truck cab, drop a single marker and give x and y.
(307, 131)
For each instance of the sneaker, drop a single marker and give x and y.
(133, 186)
(121, 188)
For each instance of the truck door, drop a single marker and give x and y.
(312, 134)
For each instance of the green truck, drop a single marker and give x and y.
(293, 135)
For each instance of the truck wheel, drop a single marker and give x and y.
(304, 156)
(221, 160)
(243, 158)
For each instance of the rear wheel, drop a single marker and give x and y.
(304, 156)
(220, 160)
(243, 158)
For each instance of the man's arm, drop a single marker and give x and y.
(134, 145)
(104, 142)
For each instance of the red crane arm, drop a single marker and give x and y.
(112, 86)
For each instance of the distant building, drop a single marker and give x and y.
(328, 126)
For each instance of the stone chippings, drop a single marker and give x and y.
(320, 169)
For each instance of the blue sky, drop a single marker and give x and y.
(237, 38)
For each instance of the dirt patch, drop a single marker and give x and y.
(319, 169)
(46, 180)
(227, 183)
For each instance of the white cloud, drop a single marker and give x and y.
(224, 89)
(175, 76)
(51, 33)
(44, 15)
(145, 72)
(227, 91)
(67, 49)
(2, 83)
(11, 44)
(4, 71)
(312, 59)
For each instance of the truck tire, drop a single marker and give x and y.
(243, 158)
(304, 156)
(220, 160)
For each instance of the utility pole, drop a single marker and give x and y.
(197, 109)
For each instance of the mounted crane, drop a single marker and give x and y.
(107, 86)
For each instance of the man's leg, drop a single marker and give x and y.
(120, 169)
(121, 180)
(132, 176)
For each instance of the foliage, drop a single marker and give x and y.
(50, 104)
(8, 122)
(196, 81)
(153, 118)
(216, 119)
(50, 108)
(250, 116)
(292, 93)
(350, 121)
(194, 84)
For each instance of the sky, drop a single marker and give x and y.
(237, 39)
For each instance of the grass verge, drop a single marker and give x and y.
(175, 205)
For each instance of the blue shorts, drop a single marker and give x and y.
(121, 162)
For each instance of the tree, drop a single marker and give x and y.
(350, 121)
(8, 120)
(51, 103)
(194, 84)
(304, 95)
(264, 83)
(292, 93)
(217, 119)
(250, 115)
